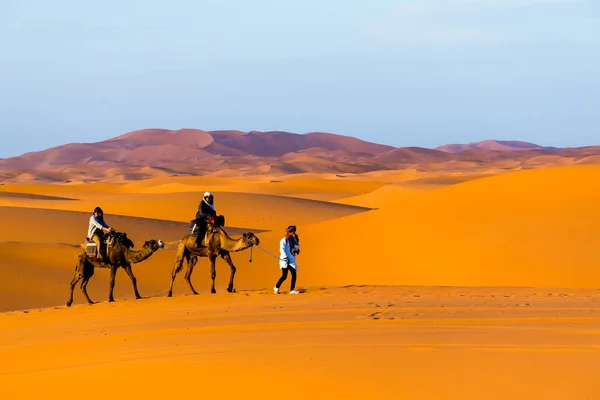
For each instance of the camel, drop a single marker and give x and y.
(120, 256)
(216, 243)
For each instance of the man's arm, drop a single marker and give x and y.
(284, 250)
(200, 214)
(94, 222)
(102, 226)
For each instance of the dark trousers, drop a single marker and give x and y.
(284, 274)
(201, 223)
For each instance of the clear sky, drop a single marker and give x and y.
(403, 72)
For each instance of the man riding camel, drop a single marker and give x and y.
(206, 208)
(96, 230)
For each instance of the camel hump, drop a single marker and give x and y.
(119, 238)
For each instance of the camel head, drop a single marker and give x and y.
(250, 239)
(154, 244)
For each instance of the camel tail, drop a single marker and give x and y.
(179, 266)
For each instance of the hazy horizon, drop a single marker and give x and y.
(400, 73)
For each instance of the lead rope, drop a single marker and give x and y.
(271, 254)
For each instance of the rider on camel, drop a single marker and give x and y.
(96, 230)
(206, 208)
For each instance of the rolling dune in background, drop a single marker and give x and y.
(529, 228)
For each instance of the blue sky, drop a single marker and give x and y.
(405, 73)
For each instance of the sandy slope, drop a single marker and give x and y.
(264, 205)
(358, 342)
(310, 185)
(535, 228)
(532, 228)
(387, 196)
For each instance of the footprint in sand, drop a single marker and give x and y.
(376, 315)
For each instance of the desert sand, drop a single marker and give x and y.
(355, 342)
(417, 285)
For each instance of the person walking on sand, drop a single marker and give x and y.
(288, 249)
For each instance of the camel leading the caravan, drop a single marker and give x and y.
(215, 243)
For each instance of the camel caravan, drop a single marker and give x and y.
(107, 248)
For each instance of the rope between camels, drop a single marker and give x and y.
(176, 243)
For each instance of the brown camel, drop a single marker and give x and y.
(120, 256)
(216, 243)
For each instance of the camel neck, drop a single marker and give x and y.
(231, 245)
(135, 256)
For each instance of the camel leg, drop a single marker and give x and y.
(227, 258)
(74, 281)
(113, 273)
(80, 272)
(188, 274)
(133, 281)
(181, 254)
(213, 272)
(84, 289)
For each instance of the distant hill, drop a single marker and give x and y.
(148, 153)
(497, 145)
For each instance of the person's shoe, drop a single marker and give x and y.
(294, 292)
(276, 290)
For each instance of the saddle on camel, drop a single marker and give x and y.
(200, 228)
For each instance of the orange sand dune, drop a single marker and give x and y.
(202, 183)
(37, 274)
(240, 209)
(389, 195)
(531, 228)
(76, 190)
(385, 197)
(312, 186)
(30, 225)
(355, 343)
(315, 188)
